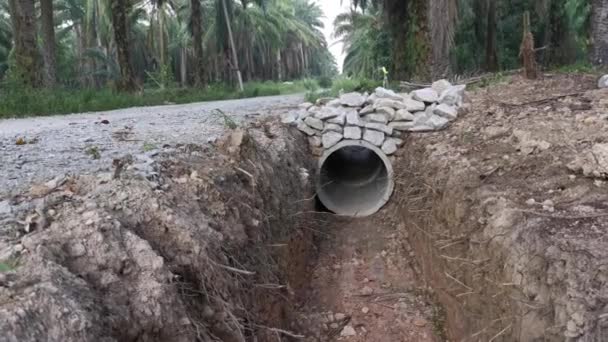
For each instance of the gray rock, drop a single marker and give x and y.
(446, 111)
(397, 141)
(413, 105)
(331, 138)
(330, 127)
(353, 100)
(421, 128)
(428, 95)
(387, 93)
(353, 119)
(305, 128)
(421, 118)
(338, 120)
(348, 331)
(379, 127)
(602, 83)
(326, 113)
(378, 118)
(403, 115)
(453, 96)
(305, 105)
(390, 104)
(334, 103)
(401, 125)
(352, 133)
(5, 208)
(389, 112)
(367, 110)
(389, 147)
(374, 137)
(303, 114)
(314, 123)
(315, 141)
(289, 118)
(371, 99)
(437, 122)
(441, 85)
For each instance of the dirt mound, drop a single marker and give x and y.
(507, 212)
(198, 243)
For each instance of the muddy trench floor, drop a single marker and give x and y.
(363, 286)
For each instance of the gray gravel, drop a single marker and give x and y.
(60, 143)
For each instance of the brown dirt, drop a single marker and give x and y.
(222, 244)
(364, 280)
(210, 246)
(503, 267)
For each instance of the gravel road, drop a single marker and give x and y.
(86, 143)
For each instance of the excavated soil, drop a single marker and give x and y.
(496, 232)
(507, 212)
(210, 245)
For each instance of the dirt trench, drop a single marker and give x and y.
(204, 243)
(496, 232)
(219, 243)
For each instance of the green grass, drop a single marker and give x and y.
(345, 85)
(22, 102)
(8, 265)
(576, 68)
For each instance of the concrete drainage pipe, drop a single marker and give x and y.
(354, 178)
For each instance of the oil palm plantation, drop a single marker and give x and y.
(94, 43)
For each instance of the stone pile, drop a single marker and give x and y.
(380, 118)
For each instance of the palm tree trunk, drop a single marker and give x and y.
(196, 24)
(411, 27)
(599, 32)
(48, 42)
(302, 59)
(161, 36)
(120, 25)
(491, 56)
(183, 67)
(279, 66)
(26, 53)
(235, 59)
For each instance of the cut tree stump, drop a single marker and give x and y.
(527, 50)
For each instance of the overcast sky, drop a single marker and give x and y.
(332, 8)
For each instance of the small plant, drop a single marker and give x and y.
(8, 265)
(228, 121)
(325, 82)
(93, 152)
(310, 85)
(149, 147)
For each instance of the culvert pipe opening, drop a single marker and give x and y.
(354, 178)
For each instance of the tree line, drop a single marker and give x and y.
(431, 39)
(192, 43)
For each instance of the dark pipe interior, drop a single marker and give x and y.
(353, 181)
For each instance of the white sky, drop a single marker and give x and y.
(332, 8)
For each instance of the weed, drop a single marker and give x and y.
(227, 119)
(93, 152)
(576, 68)
(8, 265)
(149, 147)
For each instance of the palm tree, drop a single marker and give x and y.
(599, 32)
(359, 32)
(47, 24)
(196, 25)
(27, 57)
(120, 24)
(235, 60)
(6, 37)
